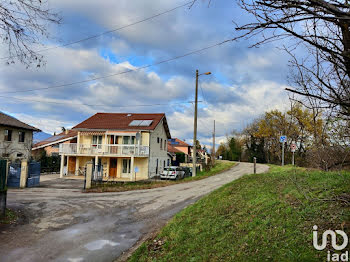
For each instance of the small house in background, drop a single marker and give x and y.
(121, 146)
(16, 138)
(176, 147)
(51, 144)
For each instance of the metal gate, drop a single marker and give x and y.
(33, 174)
(14, 175)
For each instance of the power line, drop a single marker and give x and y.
(100, 105)
(205, 100)
(106, 32)
(124, 72)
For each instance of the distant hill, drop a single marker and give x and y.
(37, 137)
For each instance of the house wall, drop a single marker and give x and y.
(142, 164)
(156, 153)
(182, 149)
(10, 150)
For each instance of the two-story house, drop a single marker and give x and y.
(121, 146)
(16, 138)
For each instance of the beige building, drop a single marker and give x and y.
(16, 138)
(122, 147)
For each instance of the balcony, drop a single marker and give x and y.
(104, 150)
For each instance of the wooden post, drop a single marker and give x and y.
(254, 165)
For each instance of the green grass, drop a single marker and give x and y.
(263, 217)
(9, 218)
(220, 166)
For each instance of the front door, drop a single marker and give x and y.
(71, 165)
(113, 167)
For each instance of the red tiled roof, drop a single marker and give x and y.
(178, 142)
(121, 121)
(172, 149)
(57, 138)
(6, 120)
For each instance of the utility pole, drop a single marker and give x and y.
(213, 151)
(194, 156)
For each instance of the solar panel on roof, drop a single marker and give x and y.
(135, 122)
(54, 138)
(141, 122)
(146, 123)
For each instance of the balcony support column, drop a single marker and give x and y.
(132, 169)
(62, 166)
(78, 143)
(96, 166)
(67, 169)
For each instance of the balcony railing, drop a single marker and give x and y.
(104, 150)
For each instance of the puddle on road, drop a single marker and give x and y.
(77, 259)
(99, 244)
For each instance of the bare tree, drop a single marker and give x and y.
(320, 26)
(23, 25)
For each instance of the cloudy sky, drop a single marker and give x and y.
(244, 83)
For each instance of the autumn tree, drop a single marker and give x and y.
(23, 27)
(298, 124)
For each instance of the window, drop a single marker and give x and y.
(126, 165)
(19, 155)
(157, 139)
(164, 163)
(168, 162)
(96, 140)
(129, 140)
(126, 140)
(165, 144)
(21, 136)
(8, 135)
(161, 144)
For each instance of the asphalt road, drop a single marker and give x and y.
(60, 223)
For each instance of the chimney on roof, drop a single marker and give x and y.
(66, 131)
(128, 115)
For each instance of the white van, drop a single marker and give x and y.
(173, 172)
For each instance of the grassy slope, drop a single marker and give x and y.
(265, 217)
(220, 166)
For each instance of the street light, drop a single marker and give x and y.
(194, 171)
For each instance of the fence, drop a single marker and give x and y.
(30, 173)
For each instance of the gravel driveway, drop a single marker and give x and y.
(63, 224)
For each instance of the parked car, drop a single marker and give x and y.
(188, 171)
(173, 172)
